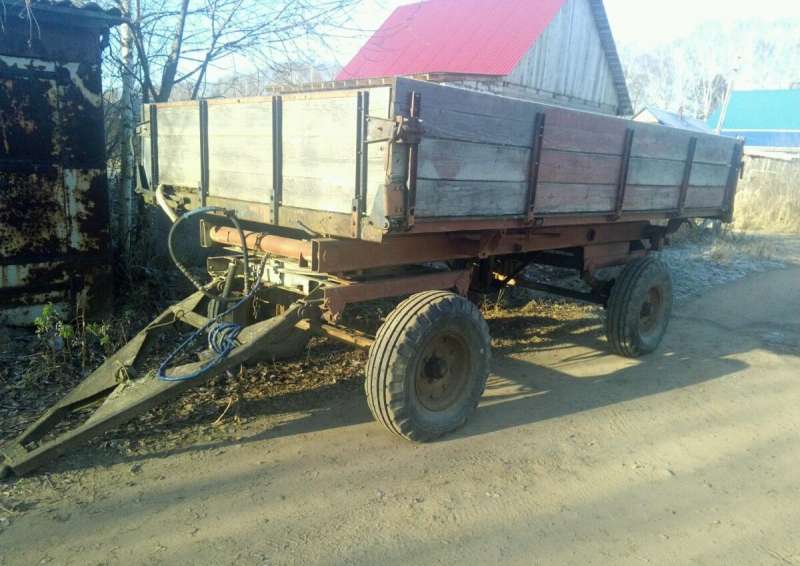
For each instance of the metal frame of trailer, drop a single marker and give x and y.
(429, 361)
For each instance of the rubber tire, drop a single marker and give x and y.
(625, 303)
(393, 357)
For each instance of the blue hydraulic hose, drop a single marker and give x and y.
(221, 336)
(221, 340)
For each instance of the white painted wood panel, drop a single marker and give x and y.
(240, 150)
(179, 145)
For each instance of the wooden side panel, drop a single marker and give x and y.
(476, 154)
(179, 145)
(644, 197)
(475, 157)
(470, 198)
(560, 198)
(705, 197)
(319, 149)
(240, 150)
(579, 168)
(454, 160)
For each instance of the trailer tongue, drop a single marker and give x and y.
(398, 189)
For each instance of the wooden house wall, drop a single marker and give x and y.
(567, 66)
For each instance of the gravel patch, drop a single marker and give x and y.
(694, 269)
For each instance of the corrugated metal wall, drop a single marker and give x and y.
(566, 66)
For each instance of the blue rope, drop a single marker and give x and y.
(222, 338)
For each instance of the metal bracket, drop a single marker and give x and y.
(362, 149)
(401, 130)
(153, 110)
(413, 163)
(687, 176)
(622, 184)
(277, 158)
(733, 178)
(204, 167)
(536, 158)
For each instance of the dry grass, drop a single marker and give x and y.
(730, 243)
(776, 211)
(727, 243)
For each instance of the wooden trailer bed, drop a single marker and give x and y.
(406, 156)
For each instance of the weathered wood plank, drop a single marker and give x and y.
(179, 160)
(240, 151)
(668, 173)
(658, 142)
(461, 100)
(554, 198)
(639, 197)
(585, 121)
(576, 139)
(655, 172)
(705, 175)
(578, 168)
(671, 143)
(470, 198)
(714, 149)
(453, 160)
(448, 124)
(331, 194)
(179, 145)
(705, 197)
(319, 151)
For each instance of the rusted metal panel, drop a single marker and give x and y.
(338, 297)
(53, 192)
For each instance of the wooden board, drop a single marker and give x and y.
(240, 150)
(319, 150)
(461, 161)
(486, 140)
(179, 145)
(579, 168)
(470, 198)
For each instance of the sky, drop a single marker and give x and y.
(644, 23)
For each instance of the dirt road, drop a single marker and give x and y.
(575, 457)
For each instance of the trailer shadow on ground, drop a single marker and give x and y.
(566, 370)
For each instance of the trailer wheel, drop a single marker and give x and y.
(639, 307)
(428, 366)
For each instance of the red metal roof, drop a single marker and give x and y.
(481, 37)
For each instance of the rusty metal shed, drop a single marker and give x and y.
(54, 217)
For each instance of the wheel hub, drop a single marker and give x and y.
(442, 373)
(651, 311)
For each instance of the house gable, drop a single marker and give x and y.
(569, 63)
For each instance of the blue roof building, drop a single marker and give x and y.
(768, 120)
(652, 115)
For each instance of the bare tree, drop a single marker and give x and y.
(693, 73)
(183, 49)
(181, 43)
